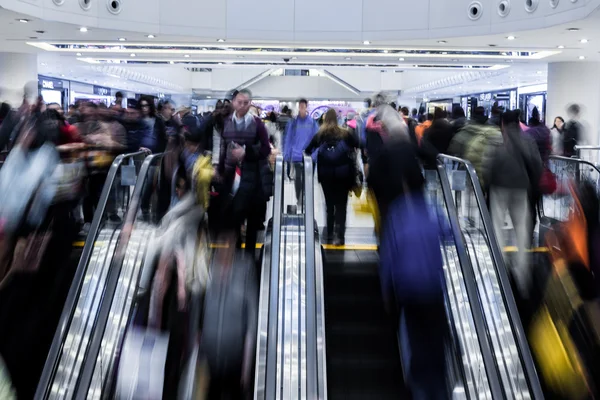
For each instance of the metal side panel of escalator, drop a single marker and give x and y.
(71, 340)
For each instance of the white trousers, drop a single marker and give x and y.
(516, 202)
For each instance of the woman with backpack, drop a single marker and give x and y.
(336, 163)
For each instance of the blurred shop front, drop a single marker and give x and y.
(531, 97)
(54, 90)
(506, 99)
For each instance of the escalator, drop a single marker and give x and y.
(126, 294)
(69, 346)
(363, 354)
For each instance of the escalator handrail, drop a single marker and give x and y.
(504, 281)
(271, 362)
(574, 160)
(112, 279)
(471, 287)
(311, 308)
(67, 313)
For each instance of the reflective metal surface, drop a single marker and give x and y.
(504, 328)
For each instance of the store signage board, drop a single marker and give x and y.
(101, 91)
(48, 83)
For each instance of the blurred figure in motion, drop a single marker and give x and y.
(481, 148)
(411, 123)
(247, 179)
(273, 130)
(459, 120)
(299, 133)
(423, 126)
(573, 131)
(514, 172)
(282, 122)
(461, 141)
(437, 137)
(411, 268)
(495, 118)
(557, 132)
(337, 169)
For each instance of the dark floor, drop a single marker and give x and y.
(363, 360)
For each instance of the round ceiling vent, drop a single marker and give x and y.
(114, 6)
(504, 8)
(531, 5)
(58, 2)
(85, 4)
(554, 3)
(475, 10)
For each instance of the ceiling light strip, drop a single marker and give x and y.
(454, 80)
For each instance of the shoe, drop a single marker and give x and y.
(85, 229)
(339, 241)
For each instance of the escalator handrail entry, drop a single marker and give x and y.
(505, 286)
(112, 283)
(469, 279)
(74, 291)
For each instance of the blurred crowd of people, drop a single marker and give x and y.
(384, 148)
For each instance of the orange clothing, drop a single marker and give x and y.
(420, 130)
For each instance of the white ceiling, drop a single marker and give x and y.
(14, 35)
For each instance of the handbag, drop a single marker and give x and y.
(548, 182)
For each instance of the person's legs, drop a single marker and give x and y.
(499, 203)
(521, 219)
(255, 218)
(341, 205)
(425, 329)
(329, 193)
(90, 202)
(299, 181)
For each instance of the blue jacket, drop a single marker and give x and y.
(298, 134)
(410, 256)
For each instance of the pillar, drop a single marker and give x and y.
(18, 69)
(575, 82)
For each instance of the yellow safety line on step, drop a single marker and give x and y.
(514, 249)
(357, 247)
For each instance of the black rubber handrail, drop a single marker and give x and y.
(471, 287)
(311, 307)
(112, 280)
(503, 279)
(67, 314)
(271, 374)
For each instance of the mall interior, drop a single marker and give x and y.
(369, 199)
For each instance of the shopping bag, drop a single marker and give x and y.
(367, 204)
(142, 365)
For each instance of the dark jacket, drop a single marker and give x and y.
(516, 164)
(256, 182)
(396, 167)
(342, 173)
(540, 134)
(439, 135)
(571, 137)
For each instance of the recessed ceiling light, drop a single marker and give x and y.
(23, 20)
(455, 60)
(488, 82)
(386, 51)
(122, 39)
(573, 29)
(83, 29)
(78, 54)
(442, 42)
(561, 46)
(240, 57)
(62, 74)
(401, 59)
(208, 97)
(510, 37)
(348, 58)
(220, 40)
(132, 55)
(582, 57)
(43, 64)
(294, 58)
(171, 62)
(95, 81)
(220, 63)
(492, 45)
(186, 55)
(366, 42)
(583, 41)
(150, 36)
(539, 72)
(204, 49)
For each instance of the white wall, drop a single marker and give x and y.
(17, 71)
(575, 82)
(308, 20)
